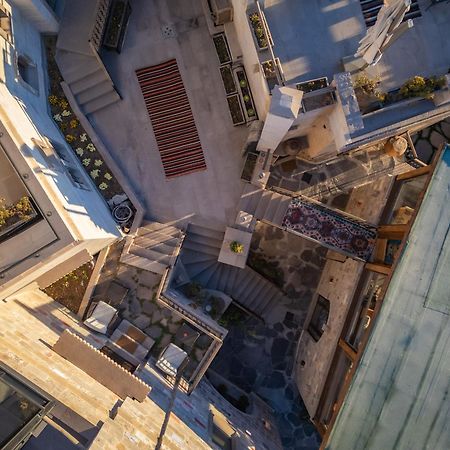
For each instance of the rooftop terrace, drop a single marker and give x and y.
(311, 38)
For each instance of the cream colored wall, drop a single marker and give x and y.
(258, 84)
(337, 284)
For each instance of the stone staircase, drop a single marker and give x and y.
(201, 248)
(77, 55)
(310, 219)
(88, 80)
(154, 248)
(269, 206)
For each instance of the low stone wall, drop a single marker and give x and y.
(100, 367)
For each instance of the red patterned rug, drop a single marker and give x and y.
(172, 120)
(330, 228)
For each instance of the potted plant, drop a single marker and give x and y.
(367, 93)
(258, 31)
(236, 247)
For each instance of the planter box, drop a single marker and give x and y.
(234, 104)
(270, 72)
(14, 224)
(260, 30)
(228, 80)
(222, 49)
(245, 94)
(119, 14)
(312, 85)
(322, 99)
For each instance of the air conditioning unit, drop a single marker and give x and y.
(221, 11)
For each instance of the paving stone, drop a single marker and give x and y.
(154, 331)
(149, 308)
(276, 380)
(142, 322)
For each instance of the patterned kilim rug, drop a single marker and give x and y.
(330, 228)
(172, 120)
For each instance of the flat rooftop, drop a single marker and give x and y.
(311, 38)
(399, 395)
(126, 129)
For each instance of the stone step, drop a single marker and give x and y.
(213, 283)
(196, 268)
(221, 285)
(206, 231)
(206, 249)
(281, 211)
(96, 91)
(101, 102)
(204, 276)
(167, 245)
(143, 263)
(88, 81)
(246, 279)
(163, 228)
(262, 205)
(272, 207)
(151, 255)
(255, 292)
(231, 280)
(79, 66)
(250, 198)
(191, 257)
(202, 240)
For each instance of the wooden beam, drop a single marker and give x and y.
(347, 349)
(392, 231)
(414, 173)
(379, 268)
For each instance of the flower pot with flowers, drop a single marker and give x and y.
(237, 247)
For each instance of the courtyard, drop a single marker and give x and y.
(126, 130)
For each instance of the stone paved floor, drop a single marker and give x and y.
(259, 357)
(141, 308)
(126, 130)
(427, 141)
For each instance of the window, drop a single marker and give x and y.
(27, 73)
(5, 23)
(220, 438)
(319, 318)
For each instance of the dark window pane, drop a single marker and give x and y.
(319, 318)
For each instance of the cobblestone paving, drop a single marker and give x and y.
(141, 308)
(427, 141)
(259, 357)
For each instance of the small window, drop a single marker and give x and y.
(27, 73)
(319, 318)
(220, 438)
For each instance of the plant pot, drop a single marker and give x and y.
(222, 50)
(122, 213)
(228, 80)
(234, 104)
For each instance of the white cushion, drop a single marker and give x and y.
(171, 359)
(101, 317)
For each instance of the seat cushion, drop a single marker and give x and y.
(101, 317)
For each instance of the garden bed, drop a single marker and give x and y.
(269, 70)
(228, 80)
(312, 85)
(318, 101)
(222, 50)
(78, 139)
(16, 216)
(234, 104)
(258, 31)
(249, 166)
(117, 23)
(246, 94)
(69, 290)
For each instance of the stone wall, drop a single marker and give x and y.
(100, 367)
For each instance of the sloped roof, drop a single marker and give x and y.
(399, 397)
